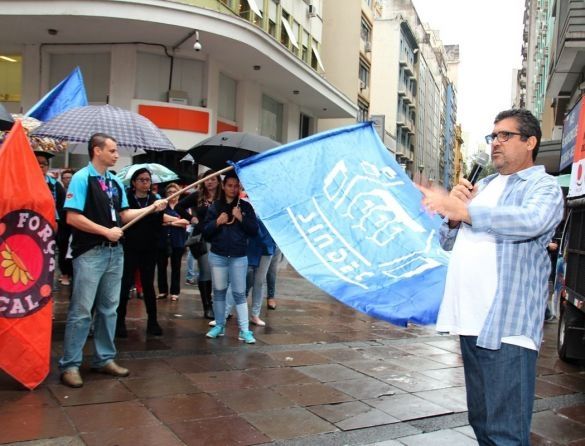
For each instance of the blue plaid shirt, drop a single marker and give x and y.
(523, 223)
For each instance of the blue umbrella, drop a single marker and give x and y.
(160, 173)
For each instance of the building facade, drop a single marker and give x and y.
(248, 65)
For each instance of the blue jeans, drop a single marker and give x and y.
(190, 275)
(255, 280)
(227, 271)
(500, 392)
(97, 277)
(271, 275)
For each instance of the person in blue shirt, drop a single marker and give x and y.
(96, 208)
(497, 280)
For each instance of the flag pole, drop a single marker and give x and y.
(150, 209)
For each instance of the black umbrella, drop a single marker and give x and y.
(6, 119)
(215, 151)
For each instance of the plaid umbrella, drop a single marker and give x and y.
(215, 151)
(160, 173)
(131, 130)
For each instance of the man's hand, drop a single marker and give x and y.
(452, 206)
(160, 205)
(113, 234)
(237, 213)
(222, 219)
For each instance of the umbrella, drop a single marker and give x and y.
(6, 120)
(131, 130)
(160, 173)
(215, 151)
(564, 180)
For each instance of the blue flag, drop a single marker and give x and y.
(70, 93)
(349, 219)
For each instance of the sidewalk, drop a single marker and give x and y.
(320, 374)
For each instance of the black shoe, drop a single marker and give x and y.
(208, 314)
(154, 329)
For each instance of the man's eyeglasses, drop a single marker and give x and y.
(143, 180)
(501, 136)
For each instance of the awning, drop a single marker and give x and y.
(254, 7)
(318, 57)
(289, 31)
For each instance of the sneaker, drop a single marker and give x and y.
(247, 337)
(190, 282)
(218, 330)
(212, 323)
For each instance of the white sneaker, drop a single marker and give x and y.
(212, 323)
(257, 321)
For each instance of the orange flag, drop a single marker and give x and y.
(27, 262)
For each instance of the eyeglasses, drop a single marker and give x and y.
(501, 136)
(144, 180)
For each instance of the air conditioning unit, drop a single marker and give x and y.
(178, 97)
(312, 11)
(362, 85)
(368, 47)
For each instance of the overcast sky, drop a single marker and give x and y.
(489, 34)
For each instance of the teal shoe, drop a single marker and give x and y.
(218, 330)
(247, 337)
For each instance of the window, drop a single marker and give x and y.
(271, 120)
(227, 97)
(364, 74)
(10, 81)
(366, 31)
(284, 35)
(271, 28)
(363, 111)
(304, 126)
(95, 68)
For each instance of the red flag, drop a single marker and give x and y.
(27, 262)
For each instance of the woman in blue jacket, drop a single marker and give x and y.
(229, 223)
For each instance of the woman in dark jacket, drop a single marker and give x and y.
(140, 251)
(172, 245)
(229, 223)
(199, 202)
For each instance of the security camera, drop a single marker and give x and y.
(197, 46)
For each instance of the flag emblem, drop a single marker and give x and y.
(27, 249)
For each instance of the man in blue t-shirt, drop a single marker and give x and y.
(96, 209)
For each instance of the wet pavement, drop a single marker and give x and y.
(319, 374)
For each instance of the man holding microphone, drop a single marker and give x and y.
(497, 280)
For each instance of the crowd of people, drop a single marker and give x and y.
(103, 264)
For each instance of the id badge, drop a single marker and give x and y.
(113, 214)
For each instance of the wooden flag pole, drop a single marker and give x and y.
(150, 209)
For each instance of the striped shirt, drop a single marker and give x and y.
(523, 223)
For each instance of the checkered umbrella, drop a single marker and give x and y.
(131, 130)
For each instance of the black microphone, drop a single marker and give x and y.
(480, 162)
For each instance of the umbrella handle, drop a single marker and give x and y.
(150, 209)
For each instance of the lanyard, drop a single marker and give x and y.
(109, 190)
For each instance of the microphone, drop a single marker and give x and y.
(480, 162)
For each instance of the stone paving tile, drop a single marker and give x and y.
(452, 398)
(407, 407)
(94, 418)
(198, 363)
(329, 372)
(385, 352)
(420, 349)
(95, 392)
(386, 443)
(414, 382)
(537, 440)
(556, 428)
(449, 359)
(575, 413)
(574, 382)
(454, 376)
(546, 389)
(365, 388)
(280, 376)
(41, 397)
(282, 424)
(415, 363)
(175, 409)
(231, 430)
(250, 360)
(58, 441)
(451, 345)
(219, 381)
(376, 368)
(146, 368)
(253, 400)
(276, 339)
(155, 435)
(466, 430)
(299, 358)
(312, 394)
(170, 384)
(343, 354)
(442, 437)
(33, 422)
(352, 415)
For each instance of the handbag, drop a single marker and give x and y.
(196, 245)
